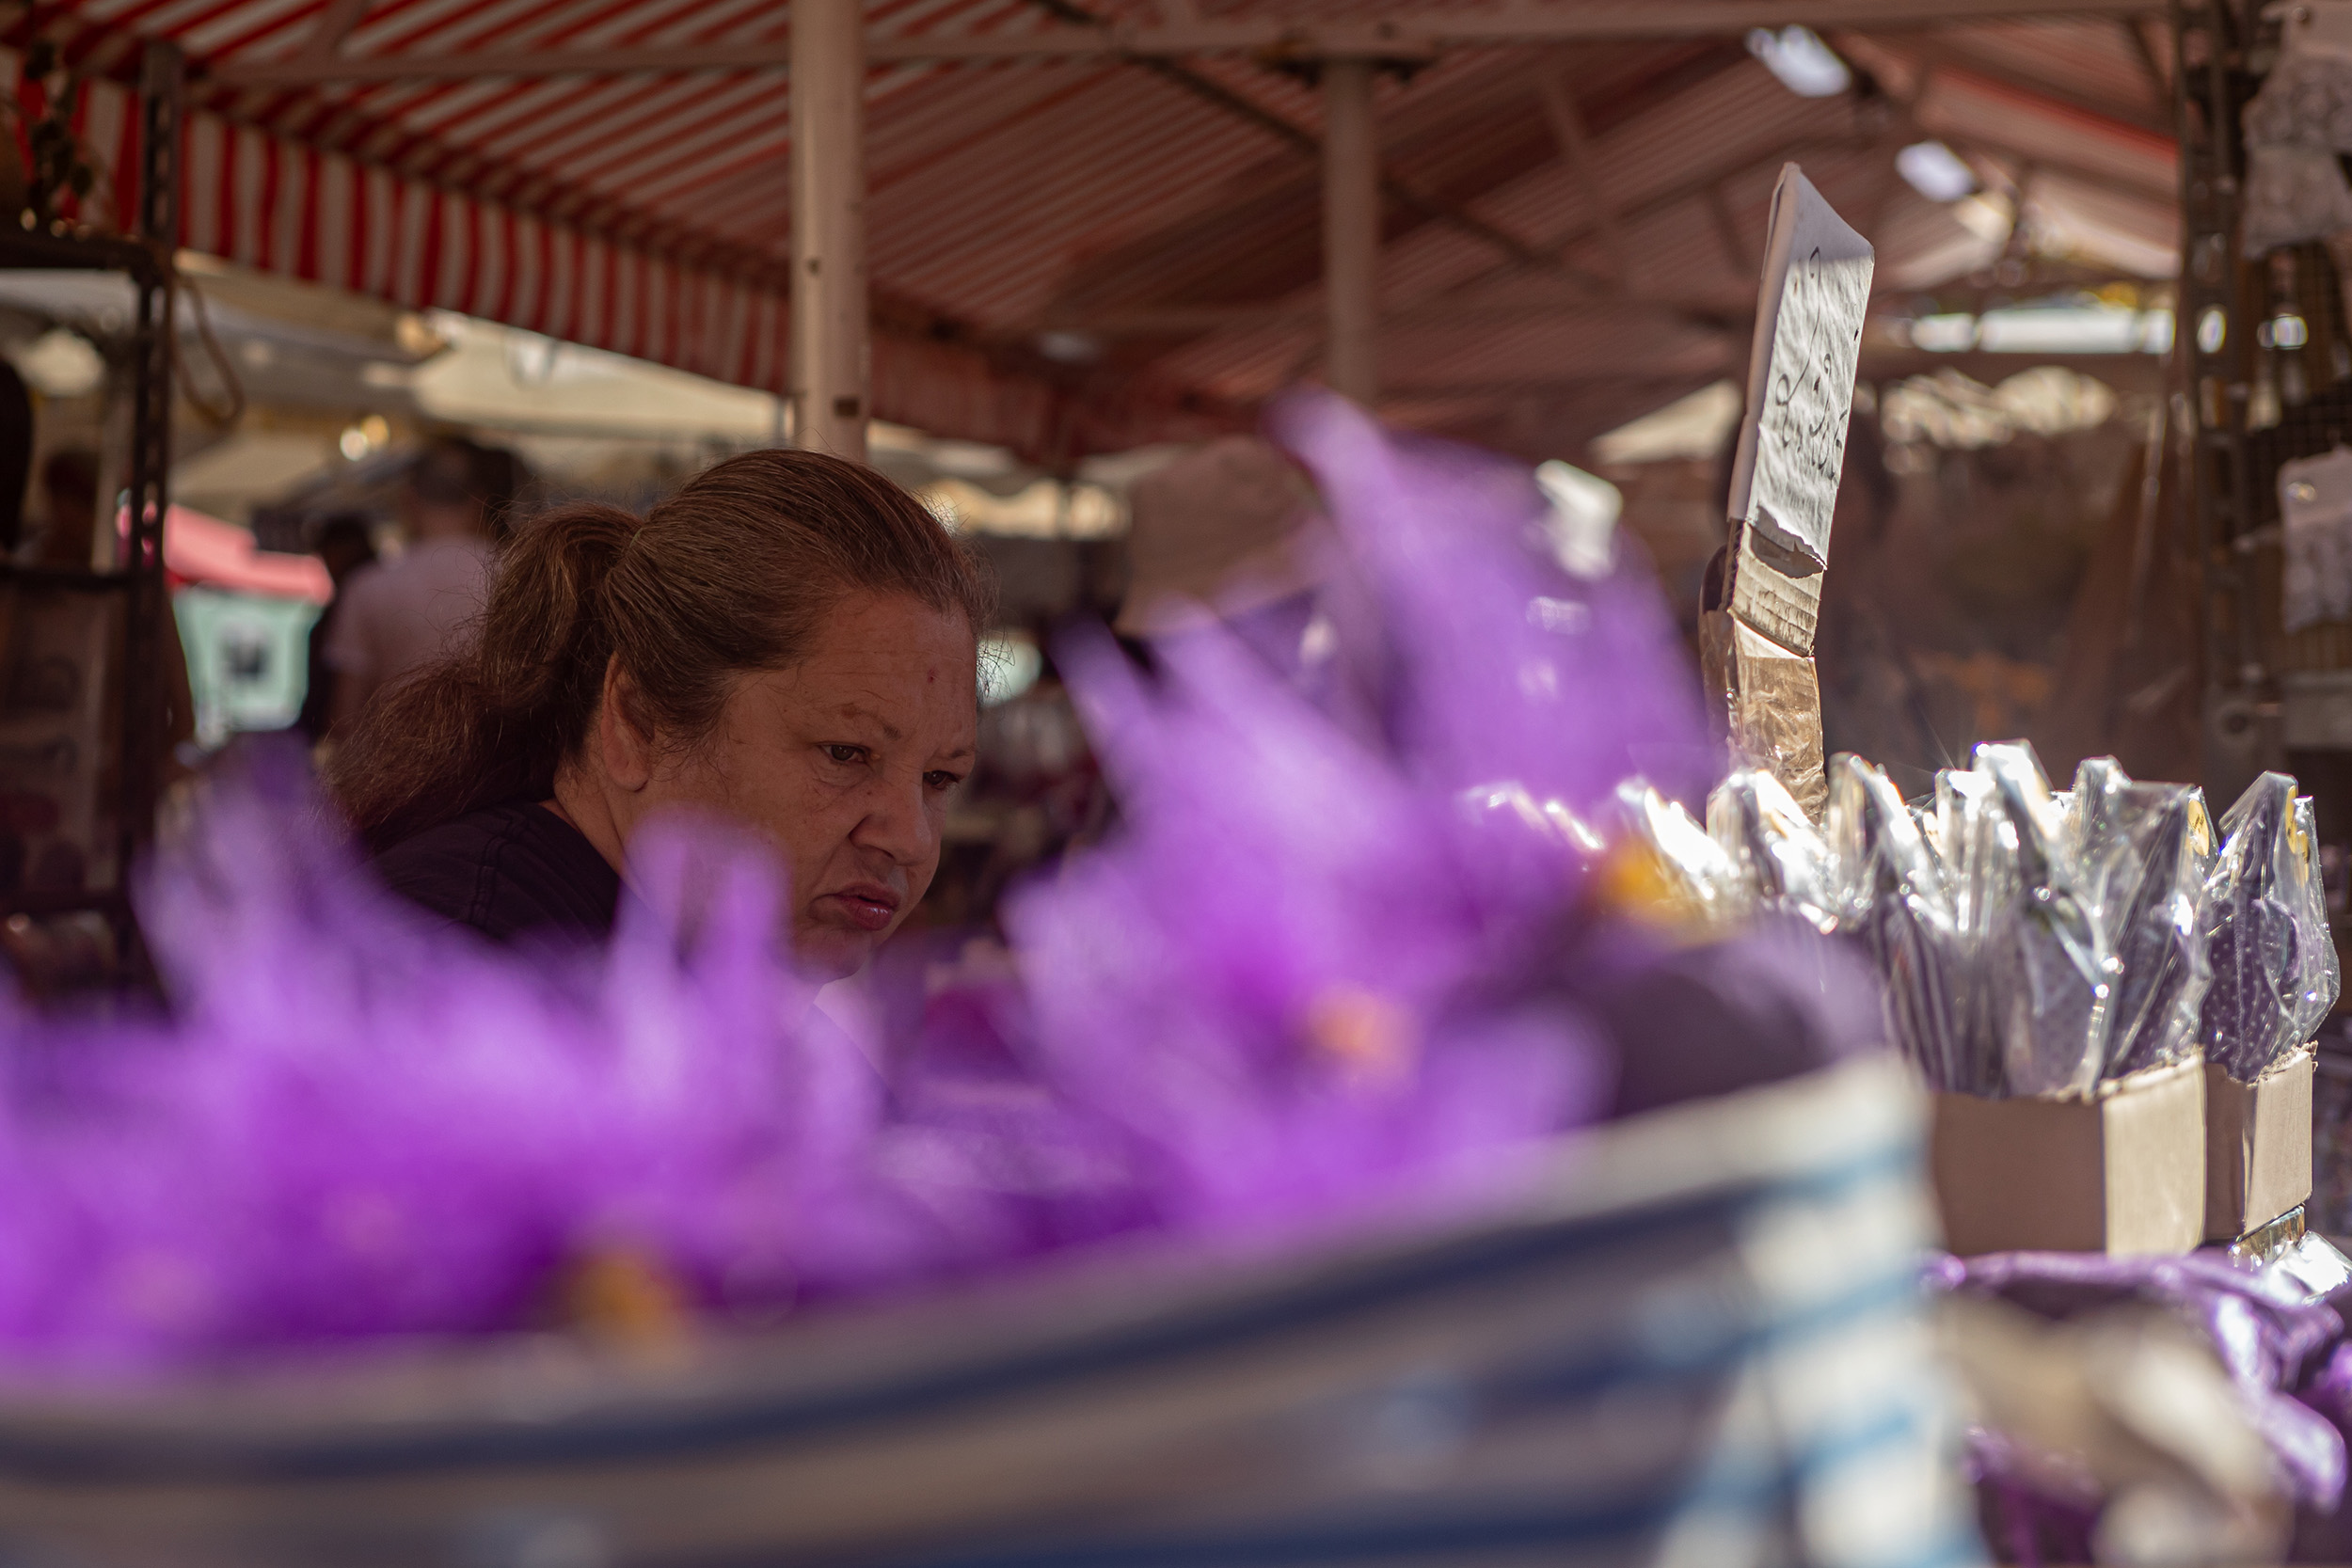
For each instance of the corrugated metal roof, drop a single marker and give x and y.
(1170, 213)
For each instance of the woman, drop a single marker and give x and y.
(789, 641)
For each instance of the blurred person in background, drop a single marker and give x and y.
(402, 615)
(789, 643)
(345, 543)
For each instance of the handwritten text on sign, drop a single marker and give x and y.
(1808, 393)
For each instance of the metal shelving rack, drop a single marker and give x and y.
(146, 260)
(2213, 44)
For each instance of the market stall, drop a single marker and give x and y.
(1478, 1195)
(1484, 1096)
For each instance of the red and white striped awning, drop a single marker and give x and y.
(1083, 254)
(430, 234)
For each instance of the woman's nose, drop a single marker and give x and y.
(895, 824)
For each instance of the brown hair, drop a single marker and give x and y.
(731, 574)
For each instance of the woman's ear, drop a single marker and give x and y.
(624, 737)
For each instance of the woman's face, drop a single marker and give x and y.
(846, 761)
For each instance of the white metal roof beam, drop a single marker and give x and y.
(1405, 36)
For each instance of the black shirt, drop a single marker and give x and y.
(507, 871)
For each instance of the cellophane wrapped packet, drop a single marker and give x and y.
(1694, 878)
(2035, 943)
(2001, 978)
(2275, 974)
(2142, 852)
(1773, 845)
(1891, 892)
(2038, 972)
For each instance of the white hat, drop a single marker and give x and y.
(1225, 529)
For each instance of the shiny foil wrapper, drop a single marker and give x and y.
(2144, 852)
(2035, 943)
(2275, 974)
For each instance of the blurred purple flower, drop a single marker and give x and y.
(1318, 971)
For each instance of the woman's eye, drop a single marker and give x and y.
(845, 753)
(943, 782)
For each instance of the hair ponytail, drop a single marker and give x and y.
(493, 723)
(731, 574)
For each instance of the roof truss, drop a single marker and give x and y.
(1405, 37)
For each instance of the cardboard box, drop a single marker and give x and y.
(2121, 1172)
(2258, 1146)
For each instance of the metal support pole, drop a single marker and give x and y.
(1351, 230)
(2214, 345)
(829, 357)
(145, 689)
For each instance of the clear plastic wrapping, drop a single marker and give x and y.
(1692, 877)
(1773, 845)
(1891, 892)
(2035, 972)
(2144, 852)
(2034, 944)
(2265, 926)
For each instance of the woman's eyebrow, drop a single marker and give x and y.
(852, 710)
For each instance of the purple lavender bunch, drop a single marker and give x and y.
(1288, 980)
(1518, 648)
(357, 1127)
(1260, 982)
(1316, 971)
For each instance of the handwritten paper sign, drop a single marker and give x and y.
(1800, 373)
(1757, 647)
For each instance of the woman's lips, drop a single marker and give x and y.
(868, 907)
